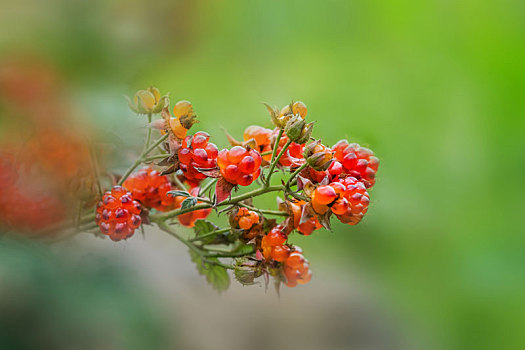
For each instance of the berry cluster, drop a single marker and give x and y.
(273, 246)
(346, 198)
(197, 153)
(150, 188)
(357, 161)
(246, 218)
(118, 214)
(239, 165)
(188, 219)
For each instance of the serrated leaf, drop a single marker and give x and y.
(244, 249)
(189, 202)
(216, 275)
(177, 193)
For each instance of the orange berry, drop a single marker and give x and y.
(295, 260)
(245, 223)
(236, 154)
(280, 252)
(275, 237)
(324, 195)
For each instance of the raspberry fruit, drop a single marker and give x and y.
(150, 189)
(118, 214)
(346, 198)
(356, 205)
(196, 152)
(296, 269)
(357, 161)
(276, 237)
(188, 219)
(239, 166)
(306, 228)
(246, 218)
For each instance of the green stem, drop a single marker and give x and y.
(163, 226)
(179, 183)
(276, 144)
(295, 173)
(148, 136)
(155, 157)
(228, 254)
(163, 217)
(210, 234)
(140, 159)
(207, 186)
(275, 161)
(264, 211)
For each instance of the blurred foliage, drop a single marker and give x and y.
(434, 88)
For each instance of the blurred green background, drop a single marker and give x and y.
(435, 88)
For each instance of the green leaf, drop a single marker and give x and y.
(216, 275)
(244, 249)
(189, 202)
(179, 193)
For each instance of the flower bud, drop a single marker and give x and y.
(318, 156)
(148, 101)
(306, 133)
(294, 128)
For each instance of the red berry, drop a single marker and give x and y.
(150, 188)
(280, 252)
(195, 153)
(117, 214)
(357, 200)
(236, 154)
(357, 161)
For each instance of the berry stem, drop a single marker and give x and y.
(207, 186)
(155, 157)
(275, 161)
(210, 234)
(165, 227)
(276, 143)
(228, 254)
(141, 158)
(148, 136)
(160, 218)
(264, 211)
(294, 174)
(179, 183)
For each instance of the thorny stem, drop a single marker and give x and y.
(264, 211)
(148, 136)
(275, 161)
(163, 217)
(207, 186)
(210, 234)
(165, 227)
(295, 173)
(155, 157)
(179, 183)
